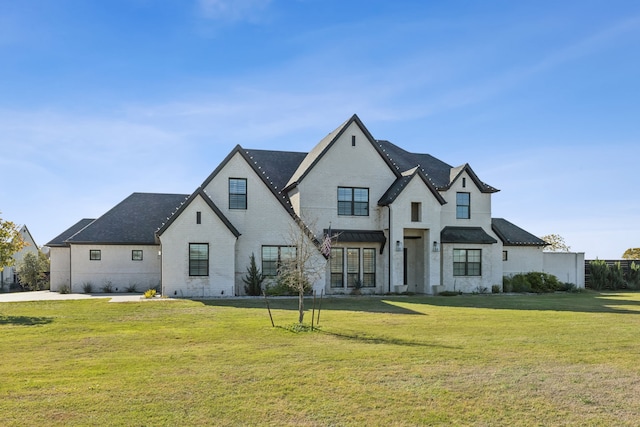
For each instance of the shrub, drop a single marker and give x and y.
(616, 276)
(150, 293)
(633, 277)
(495, 289)
(131, 288)
(599, 274)
(279, 289)
(531, 282)
(108, 287)
(65, 289)
(253, 279)
(449, 293)
(87, 287)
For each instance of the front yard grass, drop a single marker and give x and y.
(561, 359)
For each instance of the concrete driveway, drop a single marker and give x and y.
(55, 296)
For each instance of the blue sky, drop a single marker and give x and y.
(99, 99)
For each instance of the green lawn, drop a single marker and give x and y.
(490, 360)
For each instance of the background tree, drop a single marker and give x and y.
(299, 271)
(10, 242)
(631, 253)
(556, 243)
(31, 271)
(253, 279)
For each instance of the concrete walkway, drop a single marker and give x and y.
(55, 296)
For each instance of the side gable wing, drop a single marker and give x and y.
(199, 192)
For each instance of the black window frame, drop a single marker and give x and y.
(198, 266)
(368, 269)
(416, 212)
(463, 207)
(133, 254)
(95, 255)
(463, 267)
(350, 203)
(238, 197)
(336, 268)
(271, 267)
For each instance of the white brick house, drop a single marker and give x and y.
(400, 221)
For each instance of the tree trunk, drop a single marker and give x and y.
(301, 306)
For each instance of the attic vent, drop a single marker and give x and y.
(464, 182)
(353, 140)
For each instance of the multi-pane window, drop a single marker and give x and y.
(353, 201)
(237, 193)
(353, 266)
(505, 255)
(95, 254)
(136, 255)
(337, 267)
(463, 205)
(467, 262)
(416, 211)
(368, 267)
(275, 257)
(198, 259)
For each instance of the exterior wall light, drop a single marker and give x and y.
(398, 246)
(436, 247)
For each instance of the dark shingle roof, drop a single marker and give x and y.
(60, 240)
(474, 235)
(199, 192)
(436, 171)
(399, 185)
(277, 167)
(512, 235)
(133, 221)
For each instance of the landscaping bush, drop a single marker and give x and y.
(87, 287)
(150, 293)
(531, 282)
(633, 277)
(616, 277)
(599, 274)
(107, 288)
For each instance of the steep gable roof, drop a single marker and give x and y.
(132, 221)
(314, 156)
(458, 171)
(199, 192)
(512, 235)
(61, 239)
(401, 183)
(440, 174)
(273, 167)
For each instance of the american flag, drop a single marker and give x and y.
(325, 248)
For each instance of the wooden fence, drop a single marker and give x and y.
(625, 264)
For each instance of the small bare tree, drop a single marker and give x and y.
(304, 265)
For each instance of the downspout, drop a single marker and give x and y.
(390, 241)
(70, 264)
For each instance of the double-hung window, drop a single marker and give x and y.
(237, 193)
(353, 201)
(337, 267)
(467, 262)
(198, 259)
(368, 268)
(95, 254)
(463, 205)
(274, 258)
(353, 266)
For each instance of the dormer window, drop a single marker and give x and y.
(463, 205)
